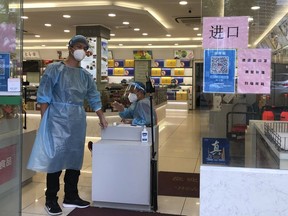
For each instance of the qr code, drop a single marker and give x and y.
(2, 67)
(219, 65)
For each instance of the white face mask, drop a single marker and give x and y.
(132, 97)
(79, 54)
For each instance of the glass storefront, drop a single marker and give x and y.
(10, 107)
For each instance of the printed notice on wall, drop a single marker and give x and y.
(254, 71)
(219, 71)
(215, 151)
(225, 32)
(4, 71)
(7, 37)
(89, 62)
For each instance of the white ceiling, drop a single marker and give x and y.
(155, 17)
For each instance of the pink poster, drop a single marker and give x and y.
(7, 37)
(225, 32)
(254, 71)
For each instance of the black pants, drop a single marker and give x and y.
(71, 179)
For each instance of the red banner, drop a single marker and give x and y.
(7, 163)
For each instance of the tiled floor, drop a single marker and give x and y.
(179, 151)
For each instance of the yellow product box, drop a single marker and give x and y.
(118, 71)
(129, 63)
(111, 63)
(156, 72)
(179, 72)
(181, 95)
(166, 80)
(170, 63)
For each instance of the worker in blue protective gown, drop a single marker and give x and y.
(139, 112)
(60, 140)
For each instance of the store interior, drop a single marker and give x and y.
(165, 38)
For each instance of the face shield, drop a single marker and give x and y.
(134, 87)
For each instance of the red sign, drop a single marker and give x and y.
(7, 163)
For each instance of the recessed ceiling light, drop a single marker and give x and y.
(37, 36)
(66, 31)
(250, 19)
(126, 23)
(47, 24)
(24, 17)
(183, 2)
(136, 29)
(255, 8)
(144, 34)
(176, 44)
(196, 28)
(199, 34)
(66, 16)
(112, 15)
(43, 45)
(149, 44)
(112, 35)
(120, 44)
(168, 35)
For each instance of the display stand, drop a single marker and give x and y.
(121, 169)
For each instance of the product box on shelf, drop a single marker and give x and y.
(119, 63)
(156, 72)
(179, 72)
(166, 80)
(171, 63)
(129, 63)
(110, 63)
(181, 95)
(118, 72)
(158, 63)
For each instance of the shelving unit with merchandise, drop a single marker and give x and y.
(177, 76)
(120, 69)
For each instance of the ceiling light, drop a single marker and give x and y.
(196, 28)
(199, 34)
(144, 34)
(112, 15)
(183, 2)
(112, 35)
(176, 44)
(255, 8)
(149, 44)
(250, 19)
(66, 31)
(168, 35)
(47, 24)
(126, 23)
(43, 45)
(24, 17)
(136, 29)
(120, 44)
(38, 36)
(66, 16)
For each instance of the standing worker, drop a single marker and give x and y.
(60, 140)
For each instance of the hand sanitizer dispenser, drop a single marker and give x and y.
(144, 135)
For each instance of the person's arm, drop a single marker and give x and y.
(103, 123)
(43, 107)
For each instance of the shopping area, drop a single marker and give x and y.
(220, 98)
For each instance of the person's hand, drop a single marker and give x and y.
(103, 123)
(118, 106)
(126, 121)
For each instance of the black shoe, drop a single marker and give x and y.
(77, 203)
(52, 207)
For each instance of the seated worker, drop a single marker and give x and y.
(138, 113)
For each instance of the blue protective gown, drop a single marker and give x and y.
(139, 112)
(60, 139)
